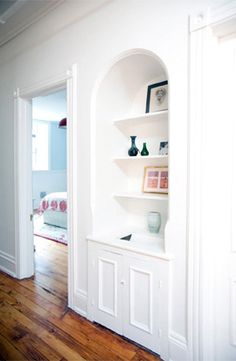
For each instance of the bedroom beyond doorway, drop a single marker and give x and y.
(49, 186)
(49, 158)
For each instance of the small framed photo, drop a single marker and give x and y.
(155, 180)
(157, 97)
(163, 148)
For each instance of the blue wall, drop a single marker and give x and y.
(57, 147)
(54, 179)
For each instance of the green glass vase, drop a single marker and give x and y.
(144, 150)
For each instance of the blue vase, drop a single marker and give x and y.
(133, 150)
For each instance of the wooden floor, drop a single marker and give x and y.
(35, 323)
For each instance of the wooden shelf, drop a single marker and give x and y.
(145, 196)
(141, 158)
(140, 118)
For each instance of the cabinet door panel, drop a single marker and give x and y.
(108, 291)
(107, 286)
(141, 311)
(141, 307)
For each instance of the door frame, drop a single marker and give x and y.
(23, 173)
(205, 29)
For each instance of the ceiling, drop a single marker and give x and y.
(18, 15)
(5, 5)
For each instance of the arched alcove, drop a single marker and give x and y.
(123, 274)
(119, 205)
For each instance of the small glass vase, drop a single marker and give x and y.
(133, 151)
(144, 151)
(154, 222)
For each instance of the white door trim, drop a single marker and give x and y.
(23, 176)
(213, 17)
(205, 28)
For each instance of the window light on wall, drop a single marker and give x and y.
(40, 145)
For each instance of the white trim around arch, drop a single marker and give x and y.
(23, 177)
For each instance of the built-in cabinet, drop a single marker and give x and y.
(128, 280)
(128, 292)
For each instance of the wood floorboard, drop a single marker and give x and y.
(9, 286)
(36, 324)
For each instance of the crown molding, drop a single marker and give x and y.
(213, 16)
(19, 27)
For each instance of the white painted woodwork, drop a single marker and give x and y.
(212, 276)
(144, 158)
(224, 268)
(150, 196)
(233, 312)
(49, 47)
(142, 118)
(141, 244)
(21, 14)
(23, 187)
(142, 294)
(23, 175)
(107, 270)
(120, 202)
(128, 293)
(127, 162)
(107, 277)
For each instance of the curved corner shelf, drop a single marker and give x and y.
(145, 196)
(138, 119)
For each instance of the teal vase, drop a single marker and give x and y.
(133, 150)
(144, 150)
(154, 222)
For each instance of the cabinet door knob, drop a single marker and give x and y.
(122, 282)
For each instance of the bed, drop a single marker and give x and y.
(53, 208)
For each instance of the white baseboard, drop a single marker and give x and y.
(7, 264)
(80, 302)
(178, 350)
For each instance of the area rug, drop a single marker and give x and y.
(50, 232)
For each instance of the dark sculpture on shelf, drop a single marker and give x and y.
(127, 238)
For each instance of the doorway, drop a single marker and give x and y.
(49, 192)
(23, 174)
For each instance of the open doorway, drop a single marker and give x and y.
(49, 191)
(24, 258)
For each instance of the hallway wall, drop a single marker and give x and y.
(92, 41)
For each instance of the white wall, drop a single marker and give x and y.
(117, 26)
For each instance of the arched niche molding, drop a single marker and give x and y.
(120, 92)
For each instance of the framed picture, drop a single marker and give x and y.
(163, 148)
(155, 180)
(157, 97)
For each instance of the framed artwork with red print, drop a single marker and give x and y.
(155, 180)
